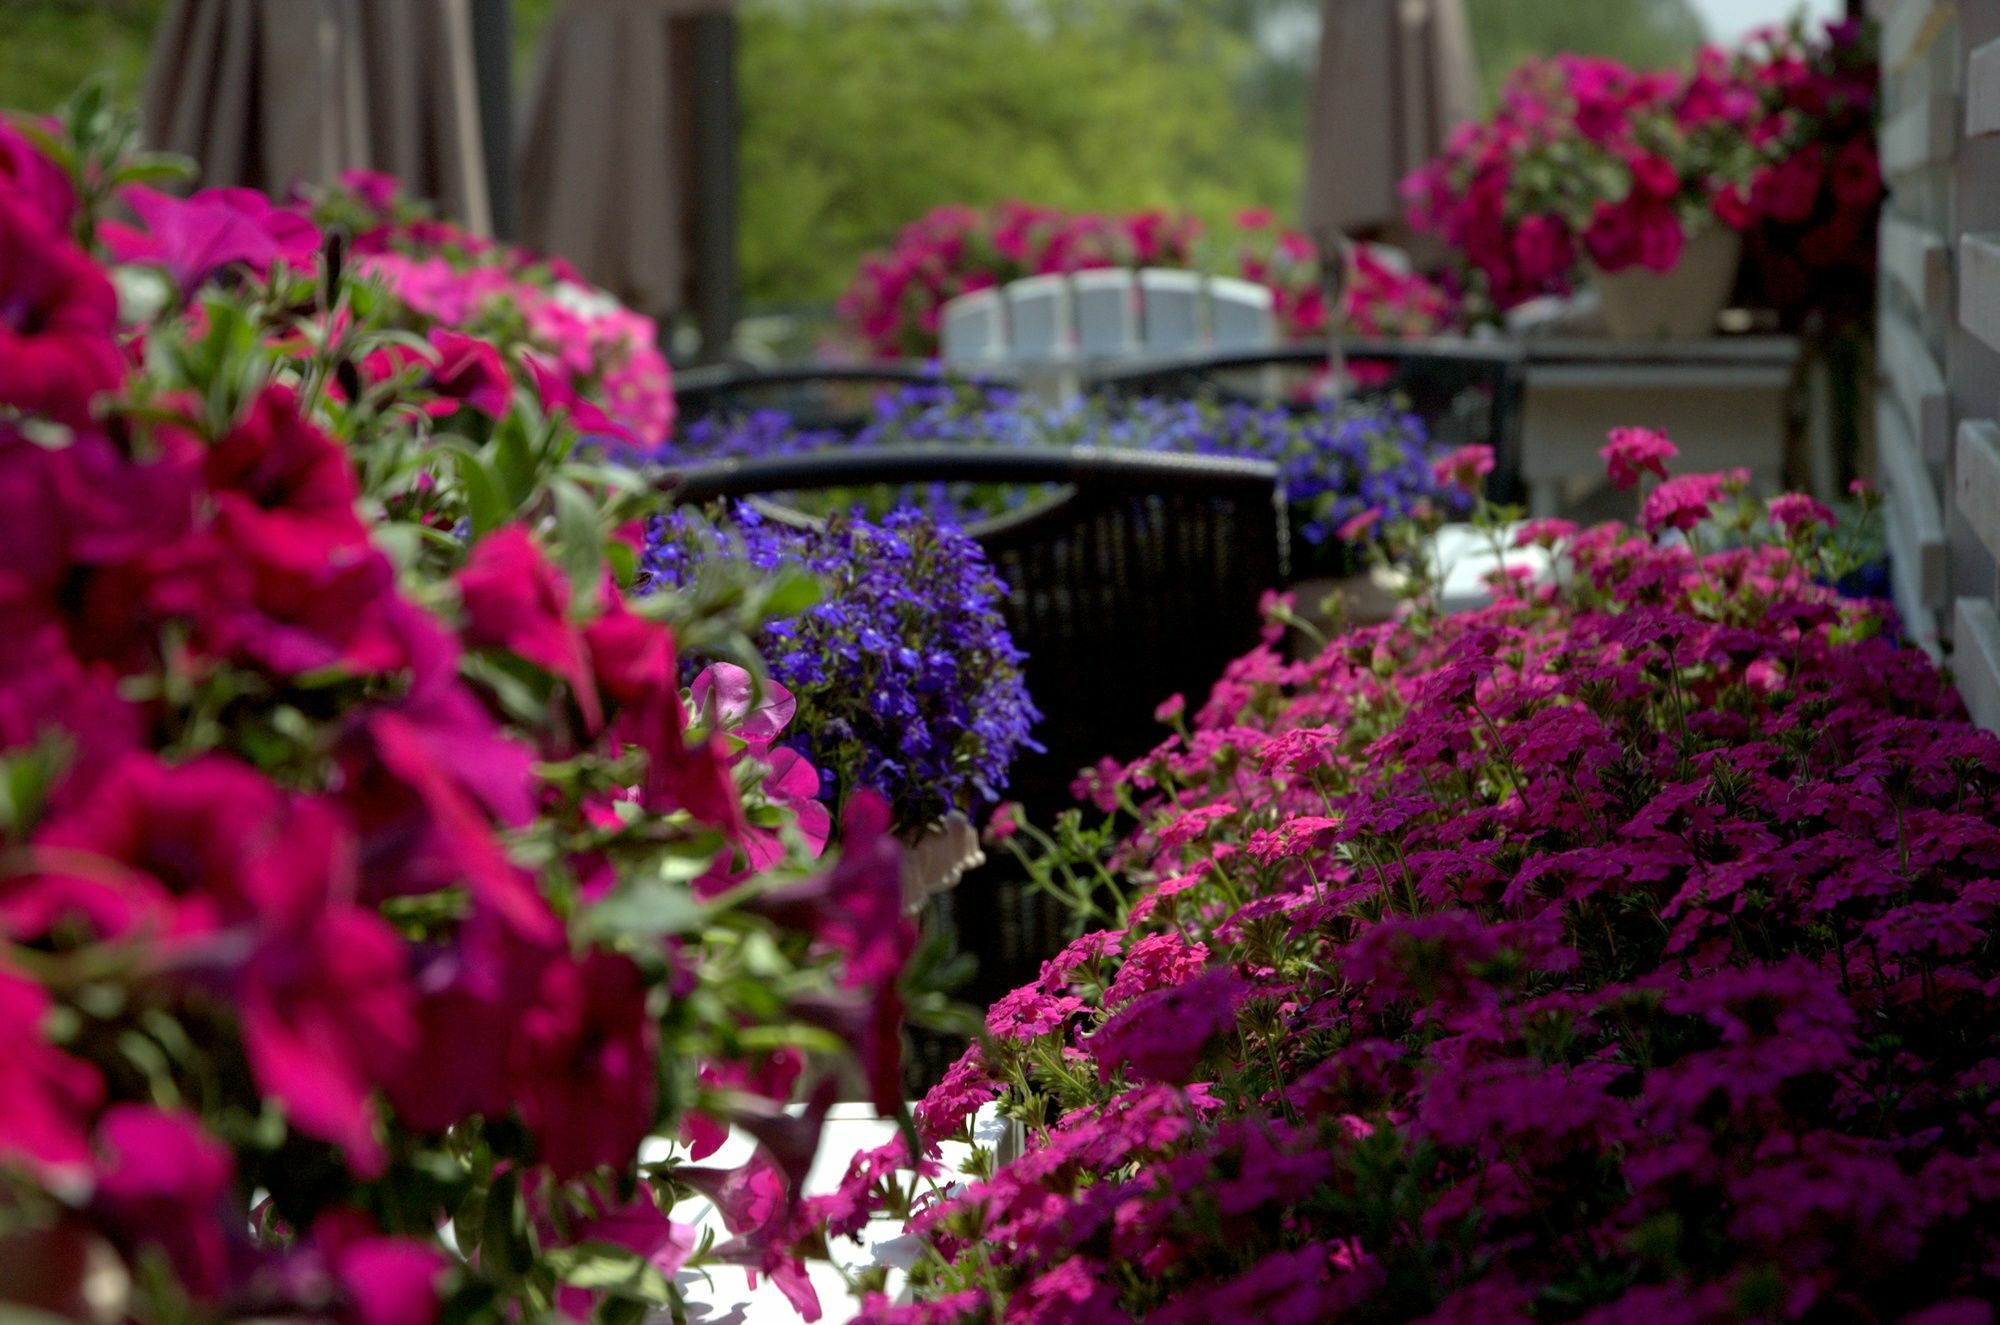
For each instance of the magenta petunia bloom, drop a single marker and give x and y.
(33, 179)
(637, 670)
(580, 1065)
(58, 320)
(162, 1186)
(726, 697)
(752, 712)
(1632, 452)
(327, 1013)
(856, 908)
(159, 852)
(514, 599)
(472, 371)
(390, 1281)
(46, 1097)
(1681, 503)
(194, 238)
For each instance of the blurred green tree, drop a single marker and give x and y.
(1646, 34)
(860, 115)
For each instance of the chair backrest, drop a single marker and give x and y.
(1107, 313)
(816, 396)
(1171, 303)
(1041, 318)
(1241, 315)
(974, 328)
(1464, 391)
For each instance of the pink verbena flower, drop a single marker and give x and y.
(1795, 512)
(1632, 452)
(1681, 503)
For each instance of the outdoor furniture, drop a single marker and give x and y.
(1050, 327)
(1140, 579)
(821, 397)
(1464, 391)
(1722, 399)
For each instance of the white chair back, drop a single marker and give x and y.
(973, 328)
(1241, 314)
(1042, 318)
(1171, 310)
(1107, 313)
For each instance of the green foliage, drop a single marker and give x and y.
(860, 115)
(1646, 34)
(48, 47)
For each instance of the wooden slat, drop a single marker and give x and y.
(1909, 29)
(1921, 134)
(1913, 378)
(1979, 287)
(1917, 260)
(1913, 518)
(1976, 478)
(1975, 659)
(1982, 91)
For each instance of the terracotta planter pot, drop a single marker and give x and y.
(1678, 304)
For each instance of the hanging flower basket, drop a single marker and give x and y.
(1677, 304)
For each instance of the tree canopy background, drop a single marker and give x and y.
(860, 115)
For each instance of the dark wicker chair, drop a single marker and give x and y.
(1464, 391)
(822, 397)
(1139, 579)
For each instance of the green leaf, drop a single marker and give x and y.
(513, 463)
(604, 1267)
(503, 1230)
(485, 502)
(582, 550)
(654, 908)
(791, 592)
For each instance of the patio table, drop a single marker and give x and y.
(1722, 400)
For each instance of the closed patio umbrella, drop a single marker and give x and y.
(624, 164)
(1394, 77)
(272, 93)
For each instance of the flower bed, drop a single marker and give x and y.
(449, 278)
(1344, 471)
(1585, 157)
(896, 300)
(1622, 952)
(361, 854)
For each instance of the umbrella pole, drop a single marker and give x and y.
(492, 57)
(715, 283)
(1333, 270)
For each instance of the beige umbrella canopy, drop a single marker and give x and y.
(1394, 77)
(611, 158)
(272, 93)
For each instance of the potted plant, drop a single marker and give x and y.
(1632, 176)
(903, 675)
